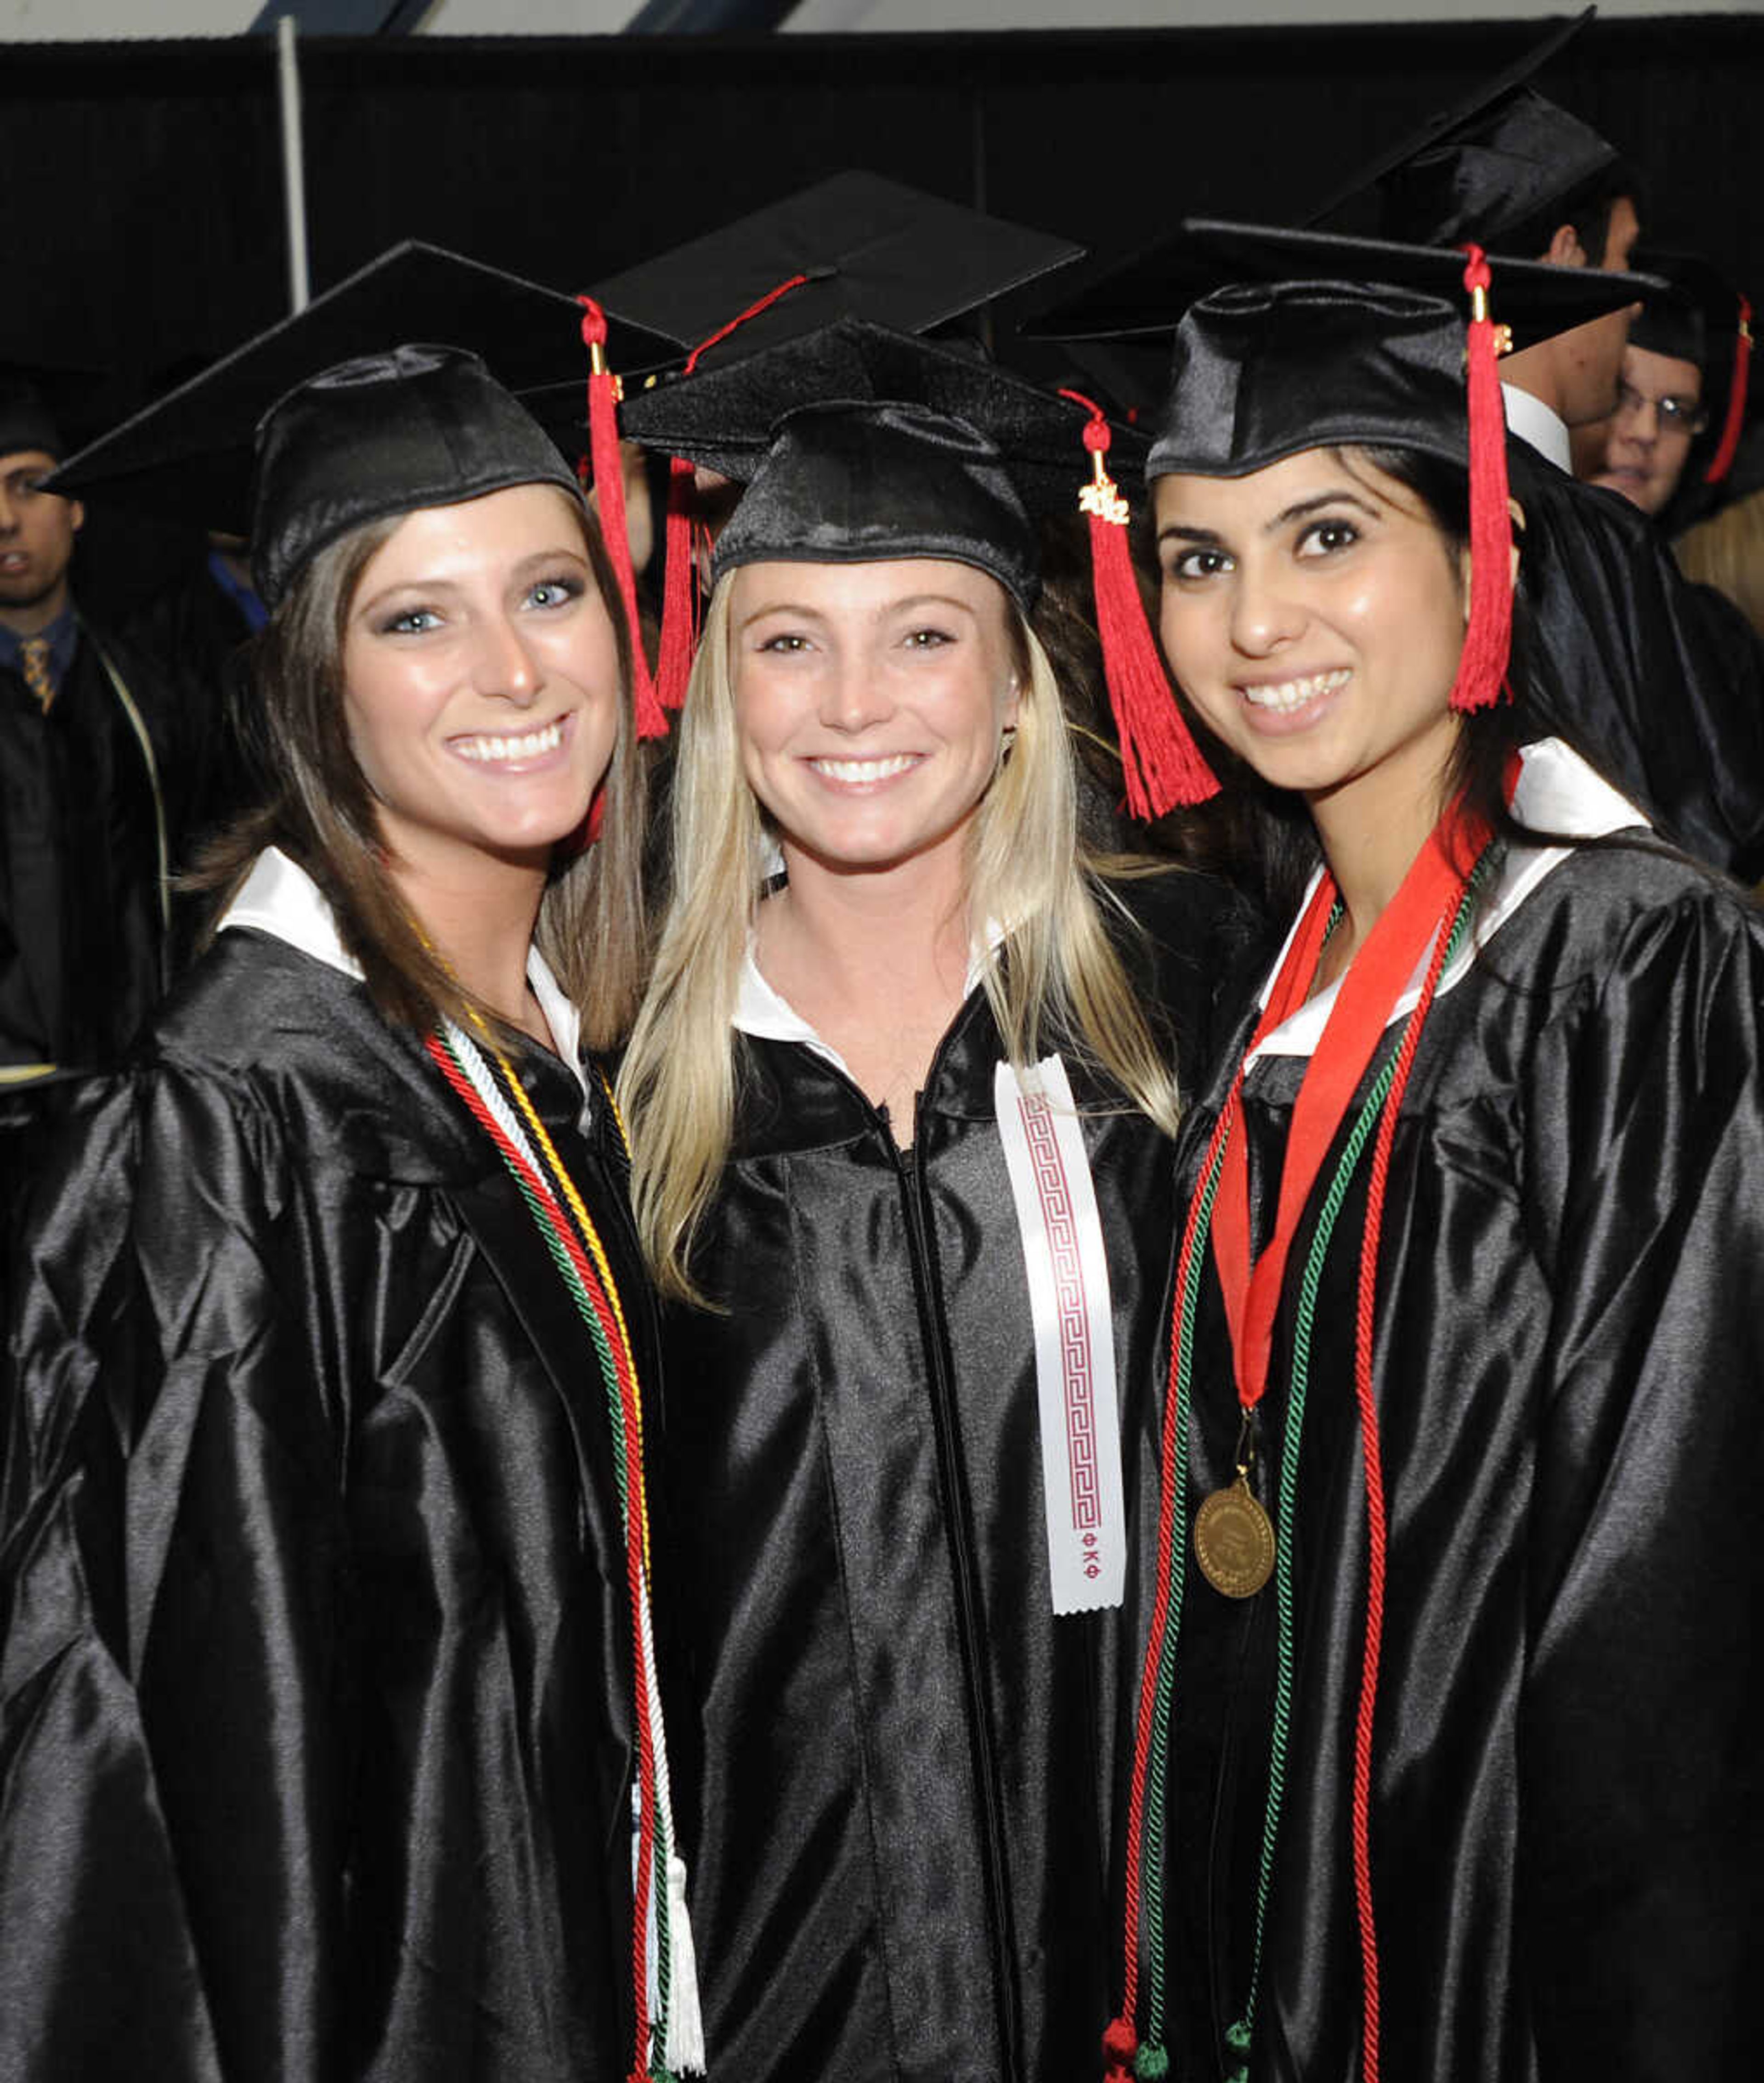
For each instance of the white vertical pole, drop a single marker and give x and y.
(293, 177)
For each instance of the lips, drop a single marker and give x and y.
(1285, 696)
(486, 749)
(855, 773)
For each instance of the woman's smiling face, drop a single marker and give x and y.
(871, 701)
(1313, 613)
(481, 678)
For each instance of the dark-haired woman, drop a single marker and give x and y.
(1446, 1763)
(333, 1739)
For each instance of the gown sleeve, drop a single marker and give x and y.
(175, 1699)
(1641, 1838)
(1660, 683)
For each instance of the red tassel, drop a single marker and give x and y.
(1481, 670)
(609, 484)
(674, 660)
(1120, 2044)
(1723, 460)
(1161, 762)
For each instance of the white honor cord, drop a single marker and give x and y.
(1068, 1273)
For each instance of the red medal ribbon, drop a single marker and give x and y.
(1375, 980)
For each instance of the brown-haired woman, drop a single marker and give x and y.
(332, 1728)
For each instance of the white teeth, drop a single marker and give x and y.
(1295, 694)
(864, 770)
(529, 747)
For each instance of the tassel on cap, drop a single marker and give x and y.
(680, 638)
(1721, 462)
(1481, 670)
(1160, 760)
(609, 486)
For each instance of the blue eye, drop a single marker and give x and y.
(556, 592)
(410, 621)
(1324, 538)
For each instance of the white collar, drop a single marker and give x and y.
(765, 1014)
(280, 898)
(1537, 427)
(1558, 792)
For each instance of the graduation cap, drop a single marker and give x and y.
(376, 399)
(1705, 320)
(1499, 161)
(854, 245)
(1319, 341)
(40, 403)
(1147, 295)
(860, 443)
(191, 454)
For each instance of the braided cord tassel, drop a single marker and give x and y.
(580, 1257)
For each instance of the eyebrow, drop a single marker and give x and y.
(912, 602)
(536, 561)
(1301, 510)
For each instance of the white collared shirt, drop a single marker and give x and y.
(280, 898)
(768, 1016)
(1537, 427)
(1558, 792)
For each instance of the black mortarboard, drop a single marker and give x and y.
(190, 454)
(1501, 161)
(334, 417)
(1300, 353)
(727, 416)
(870, 248)
(1704, 319)
(858, 443)
(1148, 294)
(44, 406)
(26, 421)
(1318, 339)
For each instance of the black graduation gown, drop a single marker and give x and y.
(81, 815)
(1659, 682)
(1567, 1823)
(900, 1860)
(315, 1721)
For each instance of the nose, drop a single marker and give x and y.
(503, 663)
(853, 694)
(1265, 612)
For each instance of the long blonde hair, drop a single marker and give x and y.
(1726, 551)
(1062, 985)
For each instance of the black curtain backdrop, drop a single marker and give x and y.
(143, 217)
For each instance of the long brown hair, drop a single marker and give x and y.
(322, 812)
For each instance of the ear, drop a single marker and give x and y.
(1565, 249)
(1516, 515)
(76, 515)
(1013, 704)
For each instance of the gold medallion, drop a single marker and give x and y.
(1234, 1541)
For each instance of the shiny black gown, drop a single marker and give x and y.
(1568, 1809)
(900, 1853)
(316, 1741)
(1660, 683)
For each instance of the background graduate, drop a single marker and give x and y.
(901, 1096)
(332, 1744)
(1444, 1764)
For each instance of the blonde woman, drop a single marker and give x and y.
(902, 1095)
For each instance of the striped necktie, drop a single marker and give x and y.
(34, 659)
